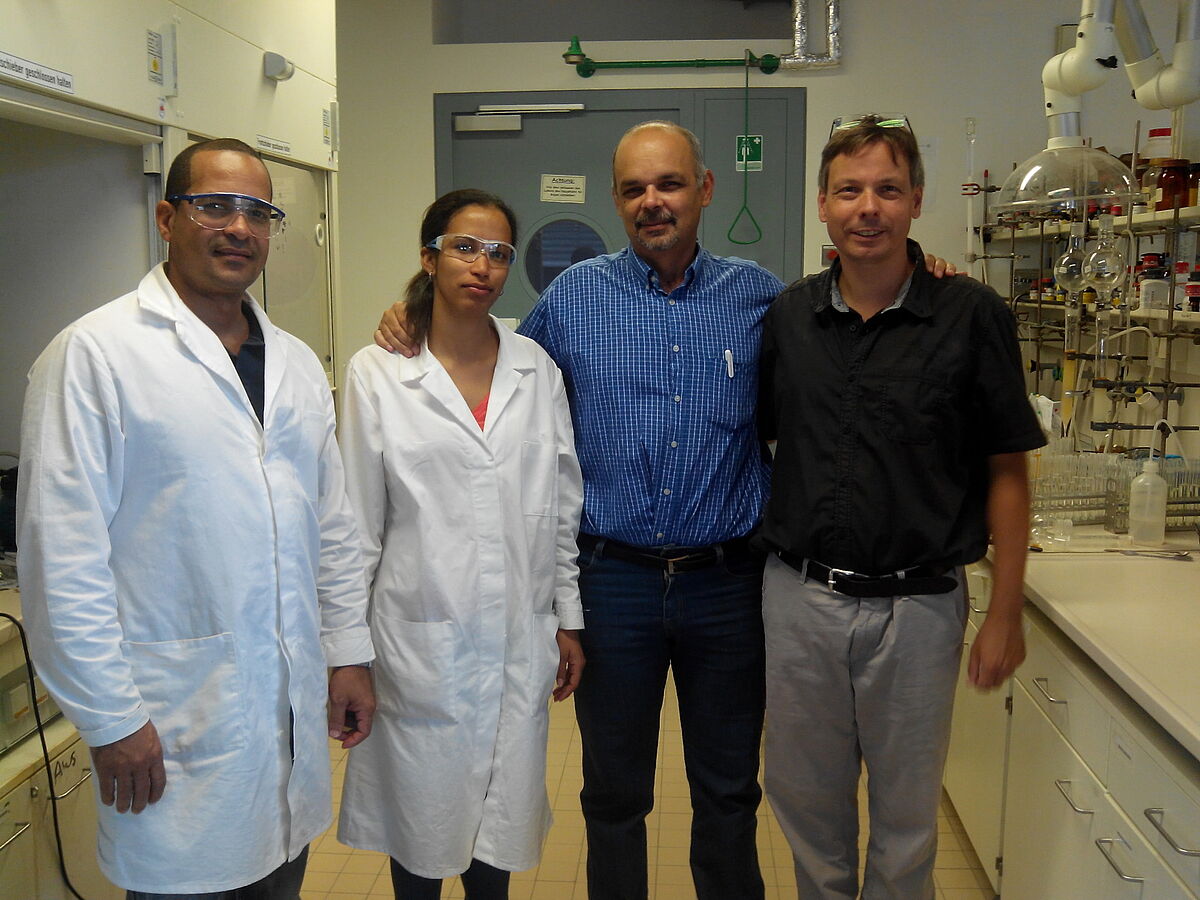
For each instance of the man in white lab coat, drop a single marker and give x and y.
(189, 561)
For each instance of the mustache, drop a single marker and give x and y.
(659, 218)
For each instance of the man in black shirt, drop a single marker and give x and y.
(898, 404)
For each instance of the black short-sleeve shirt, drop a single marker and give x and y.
(885, 427)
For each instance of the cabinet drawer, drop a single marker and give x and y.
(1162, 797)
(1131, 870)
(1050, 814)
(1057, 687)
(16, 843)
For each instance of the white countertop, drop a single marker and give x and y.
(1138, 619)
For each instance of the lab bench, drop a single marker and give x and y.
(1081, 778)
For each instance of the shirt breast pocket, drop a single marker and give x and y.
(730, 380)
(912, 409)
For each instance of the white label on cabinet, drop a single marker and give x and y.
(33, 73)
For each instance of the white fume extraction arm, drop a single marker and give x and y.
(1156, 85)
(1103, 24)
(1081, 68)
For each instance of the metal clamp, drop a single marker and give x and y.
(21, 827)
(87, 773)
(1058, 783)
(1102, 844)
(1155, 815)
(1040, 684)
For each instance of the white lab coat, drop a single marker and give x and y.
(469, 539)
(180, 563)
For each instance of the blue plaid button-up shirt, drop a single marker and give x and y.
(662, 390)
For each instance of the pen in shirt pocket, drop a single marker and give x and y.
(729, 363)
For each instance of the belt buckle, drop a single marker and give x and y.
(833, 573)
(670, 561)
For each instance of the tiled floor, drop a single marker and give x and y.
(335, 872)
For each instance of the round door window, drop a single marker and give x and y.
(557, 245)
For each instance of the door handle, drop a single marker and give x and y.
(1059, 783)
(21, 827)
(87, 773)
(1102, 844)
(1040, 684)
(1155, 815)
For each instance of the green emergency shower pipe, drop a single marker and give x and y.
(586, 66)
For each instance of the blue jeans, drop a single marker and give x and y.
(706, 627)
(282, 884)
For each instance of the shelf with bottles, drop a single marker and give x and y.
(1183, 322)
(1151, 221)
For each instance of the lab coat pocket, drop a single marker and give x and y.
(543, 658)
(415, 669)
(190, 689)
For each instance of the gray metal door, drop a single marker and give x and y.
(555, 169)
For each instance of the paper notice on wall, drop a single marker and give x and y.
(564, 189)
(36, 74)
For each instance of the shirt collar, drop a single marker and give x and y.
(647, 274)
(917, 303)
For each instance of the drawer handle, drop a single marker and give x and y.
(22, 827)
(1040, 684)
(87, 773)
(1155, 815)
(1102, 844)
(1059, 783)
(975, 609)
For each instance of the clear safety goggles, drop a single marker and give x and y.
(218, 211)
(468, 247)
(879, 120)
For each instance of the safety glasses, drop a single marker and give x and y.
(879, 120)
(468, 247)
(218, 211)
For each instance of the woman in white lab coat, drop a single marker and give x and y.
(461, 469)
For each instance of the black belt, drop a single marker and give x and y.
(905, 582)
(672, 560)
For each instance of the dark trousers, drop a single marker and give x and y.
(282, 884)
(480, 881)
(706, 627)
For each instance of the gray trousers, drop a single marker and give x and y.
(850, 682)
